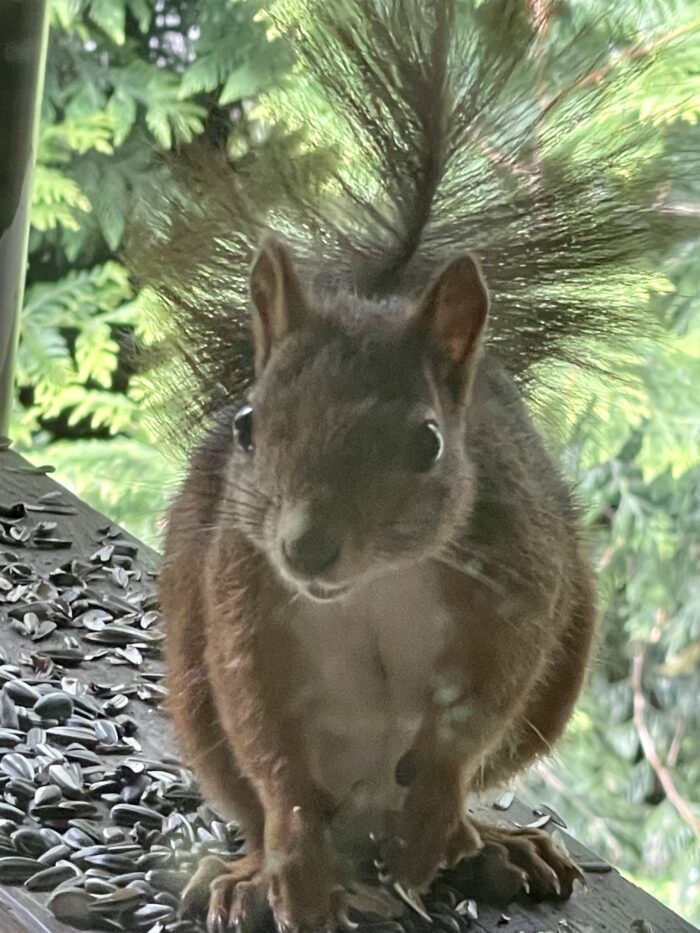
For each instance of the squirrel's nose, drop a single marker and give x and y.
(312, 552)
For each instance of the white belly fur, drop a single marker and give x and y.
(366, 665)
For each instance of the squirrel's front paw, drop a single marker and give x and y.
(431, 834)
(304, 895)
(305, 891)
(413, 858)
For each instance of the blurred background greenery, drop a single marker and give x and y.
(127, 79)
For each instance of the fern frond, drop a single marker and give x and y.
(234, 52)
(110, 16)
(96, 353)
(70, 300)
(59, 141)
(56, 199)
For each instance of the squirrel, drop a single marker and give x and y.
(375, 589)
(391, 607)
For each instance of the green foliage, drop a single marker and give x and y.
(236, 57)
(126, 79)
(67, 343)
(638, 476)
(129, 78)
(125, 477)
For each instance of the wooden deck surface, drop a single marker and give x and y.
(609, 904)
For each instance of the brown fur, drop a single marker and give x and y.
(342, 383)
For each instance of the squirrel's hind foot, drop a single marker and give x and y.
(516, 863)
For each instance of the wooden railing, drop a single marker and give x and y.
(122, 570)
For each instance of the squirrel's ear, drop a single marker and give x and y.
(453, 309)
(279, 303)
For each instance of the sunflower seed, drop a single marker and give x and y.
(107, 731)
(83, 756)
(67, 778)
(83, 854)
(119, 900)
(544, 809)
(94, 619)
(130, 654)
(538, 823)
(111, 862)
(156, 858)
(20, 788)
(120, 577)
(504, 801)
(29, 842)
(45, 528)
(55, 854)
(51, 836)
(68, 657)
(77, 839)
(595, 867)
(103, 555)
(16, 869)
(50, 813)
(72, 906)
(8, 812)
(56, 705)
(131, 877)
(43, 629)
(21, 693)
(49, 878)
(67, 734)
(20, 533)
(52, 543)
(99, 886)
(151, 913)
(8, 712)
(16, 510)
(116, 703)
(148, 619)
(50, 793)
(6, 847)
(42, 609)
(128, 814)
(10, 737)
(36, 736)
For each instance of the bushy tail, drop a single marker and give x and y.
(497, 126)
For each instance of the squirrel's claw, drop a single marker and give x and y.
(413, 899)
(516, 862)
(346, 922)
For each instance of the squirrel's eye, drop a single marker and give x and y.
(243, 428)
(426, 446)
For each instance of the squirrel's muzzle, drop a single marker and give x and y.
(312, 553)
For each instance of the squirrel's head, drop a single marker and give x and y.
(350, 460)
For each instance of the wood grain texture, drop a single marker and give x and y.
(609, 905)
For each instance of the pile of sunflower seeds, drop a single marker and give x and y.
(112, 833)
